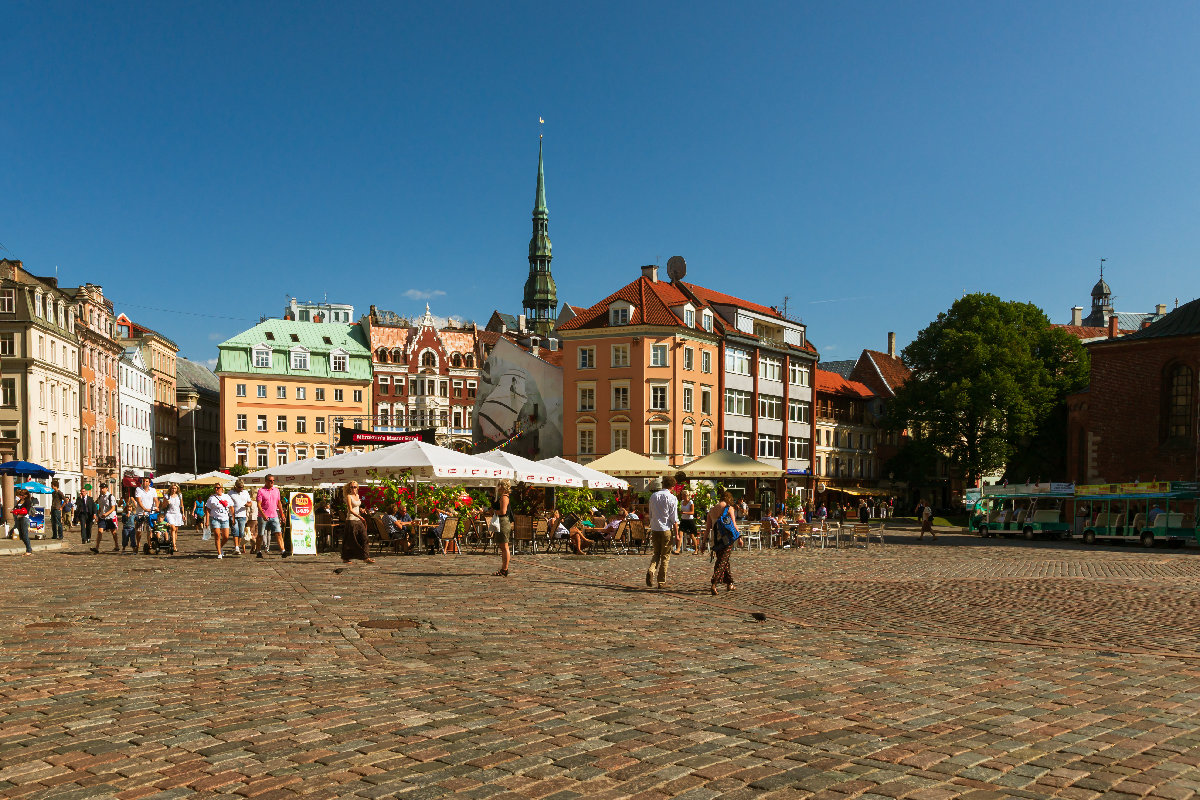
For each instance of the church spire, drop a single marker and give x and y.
(541, 296)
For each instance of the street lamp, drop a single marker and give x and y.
(195, 463)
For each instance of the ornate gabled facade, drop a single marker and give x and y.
(426, 375)
(541, 297)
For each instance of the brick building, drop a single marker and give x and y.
(99, 432)
(1137, 420)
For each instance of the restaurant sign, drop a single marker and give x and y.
(353, 436)
(302, 514)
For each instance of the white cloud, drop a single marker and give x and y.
(211, 363)
(417, 294)
(216, 337)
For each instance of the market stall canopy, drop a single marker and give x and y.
(533, 472)
(425, 461)
(297, 473)
(632, 465)
(728, 464)
(211, 479)
(25, 468)
(33, 487)
(592, 478)
(174, 477)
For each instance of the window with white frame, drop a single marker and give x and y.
(262, 357)
(8, 346)
(689, 358)
(770, 368)
(587, 358)
(301, 453)
(339, 362)
(8, 301)
(262, 390)
(738, 442)
(706, 361)
(706, 320)
(705, 400)
(738, 403)
(620, 355)
(658, 397)
(320, 395)
(737, 361)
(472, 386)
(337, 395)
(689, 317)
(241, 422)
(587, 441)
(769, 445)
(261, 423)
(658, 355)
(240, 452)
(798, 411)
(241, 390)
(358, 395)
(319, 424)
(319, 452)
(37, 306)
(770, 406)
(281, 393)
(620, 397)
(705, 442)
(281, 456)
(658, 442)
(688, 392)
(620, 437)
(797, 374)
(299, 359)
(687, 441)
(301, 425)
(587, 398)
(301, 393)
(262, 457)
(618, 315)
(797, 448)
(281, 423)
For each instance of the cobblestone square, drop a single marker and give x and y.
(966, 668)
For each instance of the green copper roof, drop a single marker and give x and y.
(539, 199)
(541, 295)
(320, 339)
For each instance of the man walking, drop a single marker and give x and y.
(268, 517)
(87, 513)
(664, 530)
(56, 511)
(106, 509)
(146, 499)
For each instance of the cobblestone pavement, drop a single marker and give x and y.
(966, 668)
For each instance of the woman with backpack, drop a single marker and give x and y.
(722, 521)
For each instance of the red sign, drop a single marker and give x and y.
(350, 436)
(302, 505)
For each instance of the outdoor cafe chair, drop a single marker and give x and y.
(635, 536)
(859, 531)
(448, 534)
(752, 534)
(375, 523)
(541, 533)
(802, 536)
(522, 532)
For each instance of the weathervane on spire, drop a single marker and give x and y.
(540, 122)
(1102, 268)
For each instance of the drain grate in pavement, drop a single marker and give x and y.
(388, 624)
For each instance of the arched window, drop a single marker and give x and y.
(469, 361)
(382, 355)
(456, 361)
(428, 359)
(397, 356)
(1179, 401)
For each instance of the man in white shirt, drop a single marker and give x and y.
(147, 500)
(664, 530)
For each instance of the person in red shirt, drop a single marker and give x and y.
(269, 520)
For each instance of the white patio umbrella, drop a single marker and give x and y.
(533, 472)
(297, 473)
(594, 479)
(426, 462)
(211, 479)
(173, 477)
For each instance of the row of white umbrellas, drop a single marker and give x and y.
(430, 463)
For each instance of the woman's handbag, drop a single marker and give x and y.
(494, 525)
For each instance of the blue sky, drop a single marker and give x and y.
(870, 161)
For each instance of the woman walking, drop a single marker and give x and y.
(216, 516)
(237, 522)
(722, 514)
(504, 535)
(173, 506)
(21, 511)
(687, 521)
(354, 529)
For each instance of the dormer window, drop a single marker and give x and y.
(49, 311)
(689, 317)
(262, 356)
(270, 336)
(299, 358)
(62, 314)
(293, 337)
(339, 361)
(37, 305)
(706, 320)
(620, 316)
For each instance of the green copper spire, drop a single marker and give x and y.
(541, 296)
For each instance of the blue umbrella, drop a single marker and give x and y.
(25, 468)
(33, 487)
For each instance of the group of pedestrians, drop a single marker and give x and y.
(240, 520)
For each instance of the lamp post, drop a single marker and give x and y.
(195, 462)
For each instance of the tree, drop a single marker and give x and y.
(987, 374)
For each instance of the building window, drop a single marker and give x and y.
(240, 454)
(262, 357)
(620, 355)
(658, 355)
(281, 424)
(658, 442)
(281, 393)
(587, 358)
(737, 362)
(339, 362)
(770, 368)
(301, 393)
(587, 398)
(658, 397)
(241, 390)
(689, 318)
(706, 321)
(797, 374)
(241, 422)
(320, 395)
(471, 386)
(8, 301)
(37, 309)
(706, 361)
(620, 398)
(262, 457)
(620, 438)
(687, 398)
(587, 441)
(705, 400)
(281, 456)
(337, 395)
(301, 453)
(428, 359)
(443, 389)
(1179, 402)
(8, 345)
(301, 425)
(689, 358)
(738, 442)
(705, 442)
(8, 393)
(262, 390)
(261, 423)
(687, 441)
(798, 411)
(770, 406)
(320, 452)
(738, 403)
(299, 359)
(457, 386)
(797, 448)
(319, 424)
(619, 316)
(358, 395)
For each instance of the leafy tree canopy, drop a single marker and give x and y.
(986, 374)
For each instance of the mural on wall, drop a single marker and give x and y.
(519, 405)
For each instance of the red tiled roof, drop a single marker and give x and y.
(1088, 332)
(831, 383)
(891, 367)
(488, 337)
(710, 296)
(651, 306)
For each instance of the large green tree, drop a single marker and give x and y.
(987, 375)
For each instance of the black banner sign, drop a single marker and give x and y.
(358, 436)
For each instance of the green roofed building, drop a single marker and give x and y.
(287, 386)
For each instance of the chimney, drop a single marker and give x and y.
(1113, 330)
(1077, 315)
(892, 344)
(1160, 309)
(650, 271)
(520, 323)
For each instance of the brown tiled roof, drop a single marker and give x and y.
(1085, 332)
(831, 383)
(651, 306)
(890, 367)
(710, 296)
(489, 337)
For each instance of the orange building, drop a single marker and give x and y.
(98, 357)
(641, 370)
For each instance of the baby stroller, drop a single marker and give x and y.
(160, 537)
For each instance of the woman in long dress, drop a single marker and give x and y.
(354, 528)
(174, 509)
(721, 543)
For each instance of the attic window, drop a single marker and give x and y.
(270, 336)
(294, 337)
(706, 320)
(326, 340)
(619, 316)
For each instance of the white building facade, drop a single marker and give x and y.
(135, 396)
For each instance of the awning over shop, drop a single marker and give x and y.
(627, 463)
(728, 464)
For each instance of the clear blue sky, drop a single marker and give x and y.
(871, 161)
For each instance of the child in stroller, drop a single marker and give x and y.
(159, 540)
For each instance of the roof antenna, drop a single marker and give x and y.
(1102, 268)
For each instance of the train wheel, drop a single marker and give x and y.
(1147, 539)
(1028, 531)
(1089, 537)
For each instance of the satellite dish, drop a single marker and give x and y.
(676, 268)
